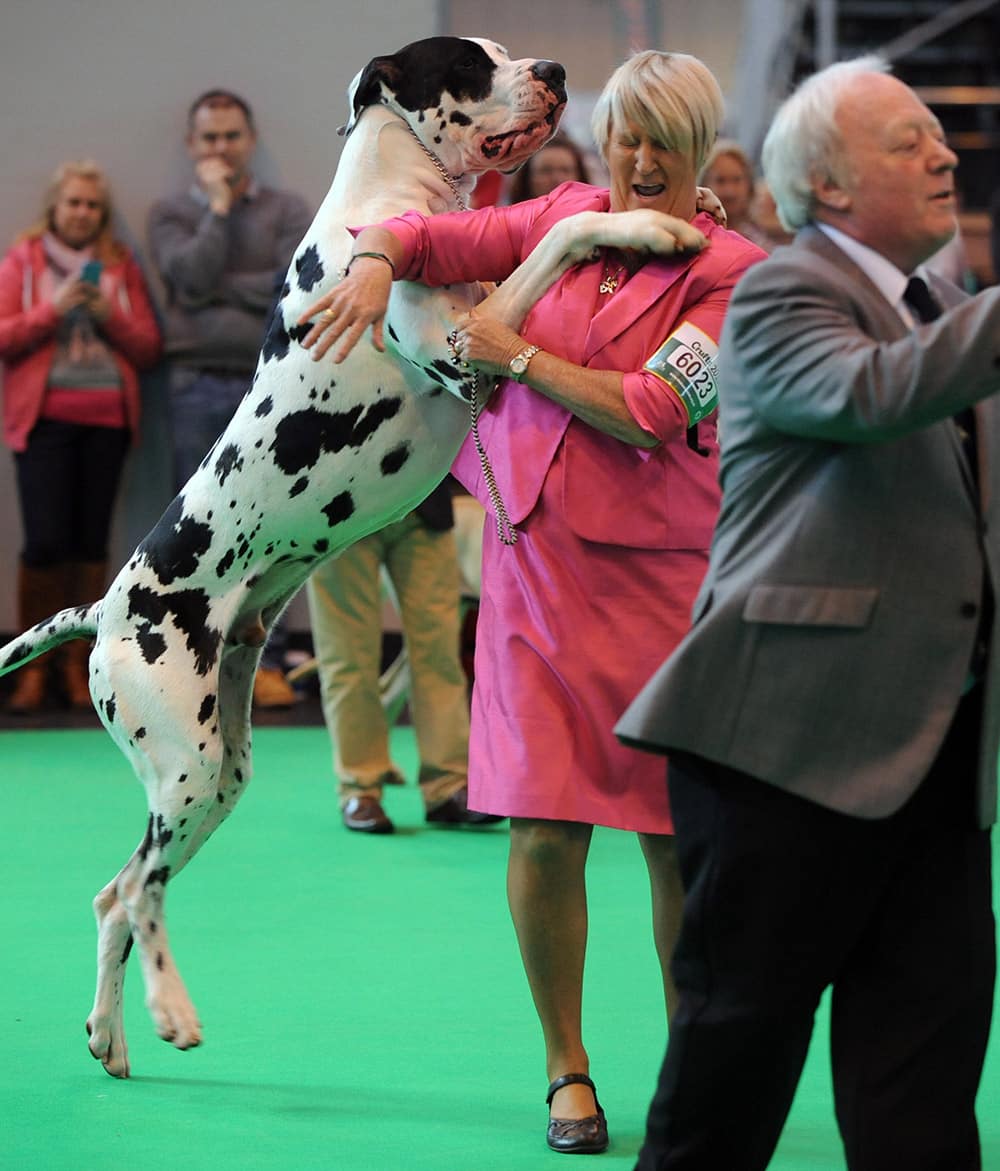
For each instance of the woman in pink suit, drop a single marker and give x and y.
(602, 436)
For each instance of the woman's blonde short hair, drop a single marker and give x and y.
(672, 97)
(106, 248)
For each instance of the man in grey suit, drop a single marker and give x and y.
(833, 717)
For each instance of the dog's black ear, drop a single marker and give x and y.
(366, 89)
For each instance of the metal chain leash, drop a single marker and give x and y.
(505, 530)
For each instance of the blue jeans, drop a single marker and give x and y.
(201, 406)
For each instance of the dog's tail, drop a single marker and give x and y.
(77, 622)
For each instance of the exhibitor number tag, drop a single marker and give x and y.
(687, 364)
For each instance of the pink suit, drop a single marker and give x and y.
(613, 538)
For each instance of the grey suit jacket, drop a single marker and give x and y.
(833, 634)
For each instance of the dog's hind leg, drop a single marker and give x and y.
(105, 1026)
(181, 782)
(182, 816)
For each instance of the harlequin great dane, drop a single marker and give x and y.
(316, 457)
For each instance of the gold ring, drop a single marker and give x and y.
(328, 314)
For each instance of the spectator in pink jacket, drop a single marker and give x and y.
(76, 324)
(602, 435)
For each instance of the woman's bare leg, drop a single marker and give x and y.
(668, 903)
(546, 890)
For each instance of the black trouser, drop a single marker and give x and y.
(67, 481)
(784, 898)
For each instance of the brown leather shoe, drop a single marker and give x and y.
(577, 1136)
(456, 811)
(365, 815)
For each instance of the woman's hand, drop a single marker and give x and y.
(348, 309)
(709, 202)
(484, 344)
(98, 306)
(69, 295)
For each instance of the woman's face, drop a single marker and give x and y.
(645, 173)
(727, 177)
(79, 212)
(550, 167)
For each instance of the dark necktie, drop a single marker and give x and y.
(925, 308)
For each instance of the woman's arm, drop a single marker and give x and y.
(595, 396)
(359, 300)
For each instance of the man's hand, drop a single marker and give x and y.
(215, 178)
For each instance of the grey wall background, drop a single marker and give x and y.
(112, 79)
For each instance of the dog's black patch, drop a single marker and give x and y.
(264, 407)
(276, 339)
(176, 544)
(230, 459)
(301, 437)
(158, 877)
(225, 563)
(309, 268)
(393, 460)
(422, 72)
(340, 508)
(206, 709)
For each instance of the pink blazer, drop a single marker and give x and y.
(666, 497)
(27, 337)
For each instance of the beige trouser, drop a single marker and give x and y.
(345, 608)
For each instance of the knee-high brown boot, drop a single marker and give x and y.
(84, 584)
(39, 594)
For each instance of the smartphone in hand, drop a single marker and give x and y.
(90, 274)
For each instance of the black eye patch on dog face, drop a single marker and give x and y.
(420, 74)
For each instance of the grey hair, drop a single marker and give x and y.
(673, 97)
(804, 140)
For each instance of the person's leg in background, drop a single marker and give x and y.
(45, 491)
(100, 454)
(422, 565)
(345, 610)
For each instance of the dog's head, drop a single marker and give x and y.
(466, 100)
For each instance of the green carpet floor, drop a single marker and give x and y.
(362, 998)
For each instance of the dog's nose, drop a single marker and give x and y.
(554, 76)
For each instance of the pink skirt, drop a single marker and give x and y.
(568, 633)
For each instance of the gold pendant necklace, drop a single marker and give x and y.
(610, 281)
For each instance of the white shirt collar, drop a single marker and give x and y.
(883, 274)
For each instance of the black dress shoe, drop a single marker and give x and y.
(456, 811)
(365, 815)
(577, 1136)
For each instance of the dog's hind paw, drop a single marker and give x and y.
(177, 1023)
(110, 1052)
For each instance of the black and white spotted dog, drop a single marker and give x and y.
(316, 457)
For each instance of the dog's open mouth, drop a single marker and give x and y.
(512, 148)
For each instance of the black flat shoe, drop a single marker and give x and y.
(577, 1136)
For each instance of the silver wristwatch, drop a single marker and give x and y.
(519, 363)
